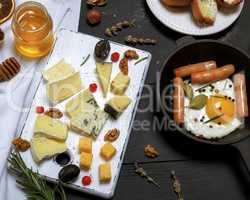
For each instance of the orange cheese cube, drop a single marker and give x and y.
(108, 151)
(85, 145)
(105, 173)
(85, 160)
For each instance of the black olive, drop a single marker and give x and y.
(69, 173)
(102, 49)
(63, 159)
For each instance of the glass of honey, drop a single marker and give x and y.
(32, 27)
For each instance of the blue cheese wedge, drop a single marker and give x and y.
(104, 71)
(80, 102)
(64, 88)
(116, 105)
(50, 128)
(89, 122)
(120, 83)
(58, 71)
(44, 148)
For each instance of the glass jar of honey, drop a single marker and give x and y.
(32, 27)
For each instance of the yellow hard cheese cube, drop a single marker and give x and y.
(108, 151)
(105, 172)
(85, 160)
(85, 145)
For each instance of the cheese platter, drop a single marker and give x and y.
(84, 108)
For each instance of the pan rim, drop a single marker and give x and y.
(159, 96)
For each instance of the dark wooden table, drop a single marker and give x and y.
(205, 172)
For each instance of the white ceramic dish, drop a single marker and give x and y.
(180, 20)
(73, 47)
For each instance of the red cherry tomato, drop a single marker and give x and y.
(93, 87)
(115, 56)
(39, 109)
(86, 180)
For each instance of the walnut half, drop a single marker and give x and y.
(112, 135)
(150, 151)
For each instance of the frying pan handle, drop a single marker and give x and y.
(184, 40)
(244, 149)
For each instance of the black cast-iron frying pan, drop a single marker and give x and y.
(193, 51)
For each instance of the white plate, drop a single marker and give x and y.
(181, 20)
(73, 47)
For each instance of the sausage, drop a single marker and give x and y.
(178, 97)
(176, 3)
(212, 75)
(240, 95)
(192, 68)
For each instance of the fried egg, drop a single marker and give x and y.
(218, 117)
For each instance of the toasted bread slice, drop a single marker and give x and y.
(204, 11)
(228, 3)
(176, 3)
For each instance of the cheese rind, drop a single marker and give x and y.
(86, 160)
(80, 103)
(105, 173)
(58, 71)
(89, 122)
(120, 83)
(104, 74)
(108, 151)
(62, 89)
(85, 145)
(43, 148)
(50, 128)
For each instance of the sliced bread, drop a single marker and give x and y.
(204, 11)
(176, 3)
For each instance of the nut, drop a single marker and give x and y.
(112, 135)
(96, 2)
(123, 65)
(131, 54)
(94, 16)
(150, 151)
(21, 144)
(54, 113)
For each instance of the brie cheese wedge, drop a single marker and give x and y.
(50, 128)
(64, 88)
(43, 148)
(58, 71)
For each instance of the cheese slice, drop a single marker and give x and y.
(116, 105)
(80, 102)
(43, 148)
(58, 71)
(104, 73)
(50, 128)
(120, 84)
(89, 122)
(64, 88)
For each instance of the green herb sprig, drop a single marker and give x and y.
(85, 60)
(140, 60)
(214, 118)
(32, 183)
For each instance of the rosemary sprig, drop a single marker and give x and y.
(214, 118)
(32, 183)
(141, 172)
(85, 60)
(142, 59)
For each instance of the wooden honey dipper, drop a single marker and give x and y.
(9, 68)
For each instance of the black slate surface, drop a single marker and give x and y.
(205, 172)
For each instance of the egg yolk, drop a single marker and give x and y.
(220, 106)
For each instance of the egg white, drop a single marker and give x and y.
(210, 130)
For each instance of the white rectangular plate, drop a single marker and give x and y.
(73, 47)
